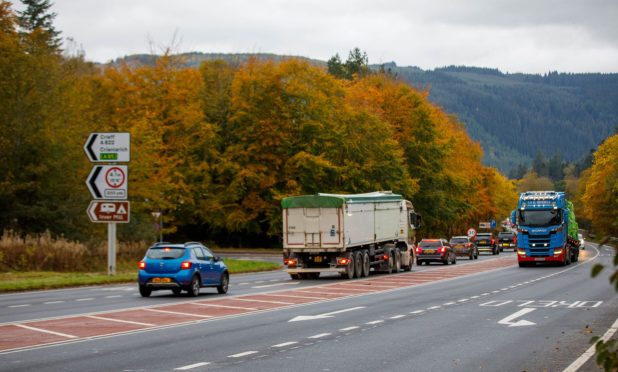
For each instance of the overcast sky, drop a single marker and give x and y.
(533, 36)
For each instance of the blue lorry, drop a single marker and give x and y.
(546, 229)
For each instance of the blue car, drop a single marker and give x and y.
(189, 266)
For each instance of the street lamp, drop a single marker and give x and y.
(156, 216)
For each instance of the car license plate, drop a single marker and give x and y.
(161, 280)
(505, 244)
(429, 251)
(540, 259)
(483, 242)
(317, 259)
(458, 246)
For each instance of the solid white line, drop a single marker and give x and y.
(85, 299)
(397, 316)
(375, 322)
(240, 355)
(191, 366)
(275, 285)
(45, 331)
(53, 302)
(320, 335)
(24, 305)
(348, 328)
(178, 313)
(266, 302)
(120, 321)
(225, 306)
(591, 350)
(285, 344)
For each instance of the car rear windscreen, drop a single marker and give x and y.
(458, 240)
(430, 244)
(505, 235)
(165, 253)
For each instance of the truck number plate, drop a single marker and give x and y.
(317, 259)
(540, 259)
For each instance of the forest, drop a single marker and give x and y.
(216, 148)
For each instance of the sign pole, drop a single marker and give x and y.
(111, 248)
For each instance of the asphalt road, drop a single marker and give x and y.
(507, 318)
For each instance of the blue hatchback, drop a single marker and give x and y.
(179, 267)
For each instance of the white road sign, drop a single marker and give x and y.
(108, 147)
(108, 181)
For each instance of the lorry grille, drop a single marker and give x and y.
(538, 245)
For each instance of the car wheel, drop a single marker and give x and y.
(194, 287)
(225, 283)
(419, 262)
(476, 255)
(358, 265)
(176, 291)
(144, 291)
(366, 263)
(454, 259)
(471, 257)
(445, 261)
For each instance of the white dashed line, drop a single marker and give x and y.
(24, 305)
(240, 355)
(504, 289)
(475, 296)
(53, 302)
(285, 344)
(348, 328)
(484, 294)
(448, 304)
(114, 296)
(84, 299)
(417, 311)
(397, 317)
(463, 300)
(191, 366)
(375, 322)
(319, 336)
(434, 307)
(495, 291)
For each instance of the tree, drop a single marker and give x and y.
(336, 67)
(356, 66)
(37, 20)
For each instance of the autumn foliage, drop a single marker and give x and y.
(215, 149)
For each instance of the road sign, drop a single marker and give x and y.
(109, 211)
(108, 147)
(471, 232)
(108, 181)
(484, 225)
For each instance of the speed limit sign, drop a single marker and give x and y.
(471, 232)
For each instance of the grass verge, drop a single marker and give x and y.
(34, 280)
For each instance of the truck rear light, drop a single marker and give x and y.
(185, 265)
(141, 265)
(343, 261)
(289, 262)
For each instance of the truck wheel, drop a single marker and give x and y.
(295, 276)
(358, 265)
(408, 267)
(366, 264)
(349, 270)
(389, 264)
(397, 260)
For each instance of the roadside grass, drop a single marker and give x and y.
(125, 273)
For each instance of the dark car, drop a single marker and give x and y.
(177, 267)
(435, 250)
(485, 242)
(463, 246)
(507, 239)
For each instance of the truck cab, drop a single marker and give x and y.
(542, 218)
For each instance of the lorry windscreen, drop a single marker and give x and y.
(539, 218)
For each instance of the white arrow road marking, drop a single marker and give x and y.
(509, 319)
(323, 316)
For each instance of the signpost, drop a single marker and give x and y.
(108, 184)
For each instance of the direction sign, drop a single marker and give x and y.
(109, 211)
(108, 147)
(108, 181)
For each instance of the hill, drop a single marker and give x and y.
(513, 116)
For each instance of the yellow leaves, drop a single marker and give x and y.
(601, 188)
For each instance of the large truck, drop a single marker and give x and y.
(348, 234)
(546, 229)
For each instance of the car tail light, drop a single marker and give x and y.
(141, 265)
(419, 250)
(343, 261)
(441, 250)
(185, 265)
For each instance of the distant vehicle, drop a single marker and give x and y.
(463, 246)
(582, 242)
(177, 267)
(485, 242)
(435, 250)
(507, 239)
